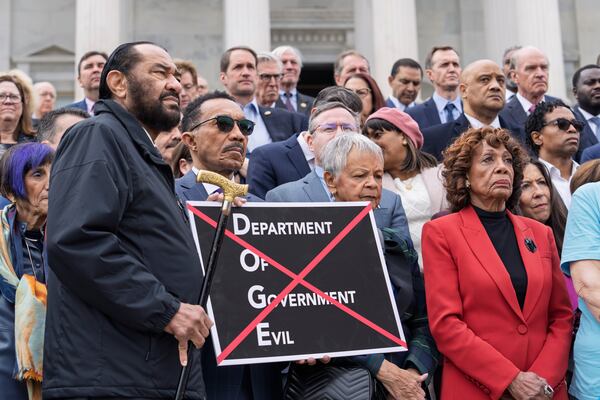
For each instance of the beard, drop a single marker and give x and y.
(151, 112)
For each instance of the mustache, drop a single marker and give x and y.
(234, 146)
(169, 93)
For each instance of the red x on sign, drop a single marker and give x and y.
(297, 279)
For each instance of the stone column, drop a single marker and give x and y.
(5, 32)
(97, 27)
(247, 23)
(527, 23)
(385, 30)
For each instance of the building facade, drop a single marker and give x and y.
(46, 38)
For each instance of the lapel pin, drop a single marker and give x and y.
(303, 105)
(530, 245)
(267, 112)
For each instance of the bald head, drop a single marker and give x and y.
(529, 71)
(482, 90)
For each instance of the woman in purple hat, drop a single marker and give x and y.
(409, 172)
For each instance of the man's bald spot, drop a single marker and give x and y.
(469, 70)
(523, 52)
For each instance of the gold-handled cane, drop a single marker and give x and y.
(231, 190)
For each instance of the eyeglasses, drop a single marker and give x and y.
(362, 93)
(563, 124)
(332, 127)
(14, 98)
(225, 124)
(268, 77)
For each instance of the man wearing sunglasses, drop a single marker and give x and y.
(239, 77)
(123, 268)
(327, 122)
(553, 135)
(216, 132)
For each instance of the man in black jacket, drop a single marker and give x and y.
(124, 271)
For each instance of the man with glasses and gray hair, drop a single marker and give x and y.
(270, 72)
(326, 123)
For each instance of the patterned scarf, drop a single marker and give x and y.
(29, 298)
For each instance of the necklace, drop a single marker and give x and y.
(406, 184)
(27, 240)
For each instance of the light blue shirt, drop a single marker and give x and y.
(441, 102)
(582, 242)
(399, 105)
(320, 173)
(260, 134)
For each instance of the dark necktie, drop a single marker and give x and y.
(288, 101)
(449, 108)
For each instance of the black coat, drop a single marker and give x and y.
(121, 259)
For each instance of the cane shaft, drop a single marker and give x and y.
(205, 290)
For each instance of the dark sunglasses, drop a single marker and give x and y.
(225, 124)
(563, 124)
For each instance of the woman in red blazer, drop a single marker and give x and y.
(497, 303)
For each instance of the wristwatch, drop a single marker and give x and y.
(548, 391)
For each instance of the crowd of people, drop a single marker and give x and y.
(490, 186)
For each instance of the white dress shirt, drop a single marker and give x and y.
(399, 105)
(260, 134)
(308, 155)
(476, 124)
(593, 124)
(560, 184)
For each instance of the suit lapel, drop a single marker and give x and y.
(193, 191)
(533, 264)
(432, 113)
(297, 158)
(314, 189)
(483, 249)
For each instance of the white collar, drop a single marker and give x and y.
(475, 123)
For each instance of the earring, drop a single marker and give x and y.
(468, 184)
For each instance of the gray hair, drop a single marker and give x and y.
(335, 154)
(320, 109)
(268, 57)
(279, 51)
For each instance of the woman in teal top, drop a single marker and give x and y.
(581, 260)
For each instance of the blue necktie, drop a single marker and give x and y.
(449, 108)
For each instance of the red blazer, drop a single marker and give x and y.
(474, 314)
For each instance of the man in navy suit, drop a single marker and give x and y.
(219, 145)
(277, 163)
(88, 75)
(482, 90)
(289, 96)
(586, 88)
(405, 81)
(529, 71)
(327, 122)
(442, 66)
(238, 75)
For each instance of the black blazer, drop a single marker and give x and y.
(587, 138)
(274, 164)
(426, 114)
(514, 115)
(304, 104)
(281, 124)
(437, 138)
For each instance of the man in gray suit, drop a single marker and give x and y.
(327, 122)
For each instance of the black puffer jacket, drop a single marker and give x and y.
(121, 259)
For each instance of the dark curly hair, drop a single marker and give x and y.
(459, 156)
(537, 120)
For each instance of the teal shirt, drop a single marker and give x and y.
(582, 242)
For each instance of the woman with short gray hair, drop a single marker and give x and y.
(353, 167)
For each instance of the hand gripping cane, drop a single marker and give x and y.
(231, 190)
